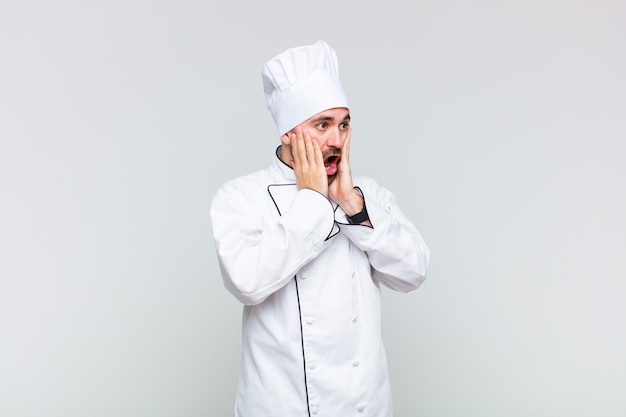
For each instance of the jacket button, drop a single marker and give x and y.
(311, 366)
(314, 410)
(354, 318)
(355, 363)
(309, 320)
(360, 409)
(304, 275)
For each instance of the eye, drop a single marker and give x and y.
(344, 126)
(322, 125)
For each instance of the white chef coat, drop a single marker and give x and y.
(309, 282)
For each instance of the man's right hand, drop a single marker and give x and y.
(308, 162)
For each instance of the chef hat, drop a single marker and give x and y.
(301, 82)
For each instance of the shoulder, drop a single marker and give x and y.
(366, 184)
(363, 180)
(370, 188)
(252, 181)
(245, 187)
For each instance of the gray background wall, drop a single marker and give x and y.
(500, 126)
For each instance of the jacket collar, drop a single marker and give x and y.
(286, 175)
(284, 188)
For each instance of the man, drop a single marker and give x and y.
(304, 246)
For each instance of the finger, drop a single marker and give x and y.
(294, 146)
(345, 150)
(346, 144)
(304, 146)
(318, 158)
(310, 150)
(297, 147)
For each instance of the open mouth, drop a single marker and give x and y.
(331, 160)
(330, 163)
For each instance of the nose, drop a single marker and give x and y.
(334, 138)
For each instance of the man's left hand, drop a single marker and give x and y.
(341, 189)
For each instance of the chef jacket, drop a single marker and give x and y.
(310, 285)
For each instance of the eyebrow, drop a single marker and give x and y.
(328, 118)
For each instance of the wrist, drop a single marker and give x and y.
(353, 205)
(360, 218)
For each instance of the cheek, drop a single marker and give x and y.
(319, 137)
(344, 138)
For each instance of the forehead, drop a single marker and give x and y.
(338, 114)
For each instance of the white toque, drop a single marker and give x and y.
(301, 82)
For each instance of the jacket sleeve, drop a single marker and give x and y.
(259, 251)
(395, 249)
